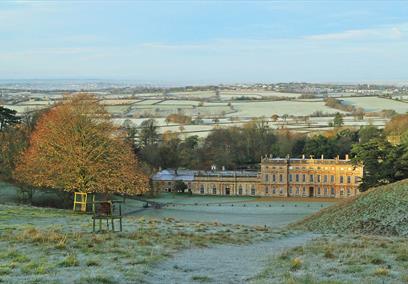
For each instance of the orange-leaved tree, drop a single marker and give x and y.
(75, 147)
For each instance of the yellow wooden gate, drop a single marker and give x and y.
(80, 199)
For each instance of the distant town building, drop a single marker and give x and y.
(278, 177)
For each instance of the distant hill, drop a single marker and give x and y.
(379, 211)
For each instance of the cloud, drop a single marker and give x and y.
(382, 33)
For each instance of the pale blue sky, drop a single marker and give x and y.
(197, 42)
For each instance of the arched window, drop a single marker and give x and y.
(202, 189)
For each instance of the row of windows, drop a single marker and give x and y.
(298, 190)
(292, 191)
(310, 168)
(298, 177)
(213, 188)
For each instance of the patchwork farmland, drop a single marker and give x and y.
(209, 110)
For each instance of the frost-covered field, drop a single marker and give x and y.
(256, 94)
(57, 246)
(39, 103)
(377, 104)
(118, 101)
(180, 102)
(258, 109)
(340, 259)
(117, 108)
(25, 108)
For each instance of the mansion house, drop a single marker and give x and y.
(278, 177)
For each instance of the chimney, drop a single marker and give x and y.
(322, 157)
(347, 157)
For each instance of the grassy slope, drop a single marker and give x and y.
(380, 211)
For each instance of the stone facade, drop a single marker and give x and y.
(334, 178)
(279, 177)
(226, 183)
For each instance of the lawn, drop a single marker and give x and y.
(50, 245)
(340, 259)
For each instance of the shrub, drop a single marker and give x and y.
(381, 272)
(296, 263)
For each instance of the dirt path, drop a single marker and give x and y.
(222, 264)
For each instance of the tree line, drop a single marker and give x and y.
(232, 147)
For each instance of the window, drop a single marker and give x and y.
(290, 177)
(266, 189)
(280, 178)
(266, 177)
(318, 178)
(253, 190)
(342, 192)
(325, 191)
(274, 191)
(297, 177)
(304, 178)
(357, 179)
(348, 191)
(214, 189)
(273, 178)
(240, 190)
(304, 190)
(290, 190)
(281, 191)
(332, 191)
(325, 179)
(348, 179)
(202, 189)
(297, 190)
(341, 179)
(318, 190)
(331, 179)
(311, 178)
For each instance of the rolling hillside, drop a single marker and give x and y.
(379, 211)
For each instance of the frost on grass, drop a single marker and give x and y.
(47, 245)
(341, 259)
(380, 211)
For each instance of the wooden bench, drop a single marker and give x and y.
(107, 210)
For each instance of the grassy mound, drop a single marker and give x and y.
(379, 211)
